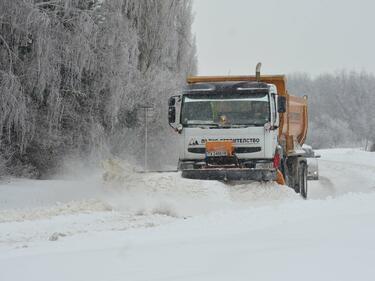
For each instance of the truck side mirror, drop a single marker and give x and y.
(281, 102)
(172, 101)
(171, 114)
(172, 111)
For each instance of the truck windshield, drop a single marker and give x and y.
(225, 109)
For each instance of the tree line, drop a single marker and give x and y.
(74, 75)
(341, 108)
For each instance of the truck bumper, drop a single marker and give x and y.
(235, 174)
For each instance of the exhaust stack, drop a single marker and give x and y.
(257, 71)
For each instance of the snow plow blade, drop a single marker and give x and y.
(230, 174)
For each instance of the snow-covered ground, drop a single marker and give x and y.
(162, 227)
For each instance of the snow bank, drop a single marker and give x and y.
(161, 227)
(60, 209)
(135, 193)
(35, 210)
(314, 240)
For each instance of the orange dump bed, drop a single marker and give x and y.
(293, 123)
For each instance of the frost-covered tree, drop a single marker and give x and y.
(340, 107)
(73, 74)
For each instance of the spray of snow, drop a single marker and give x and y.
(119, 188)
(169, 194)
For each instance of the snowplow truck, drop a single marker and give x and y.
(241, 128)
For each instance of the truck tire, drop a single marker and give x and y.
(303, 180)
(291, 168)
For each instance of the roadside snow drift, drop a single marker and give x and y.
(162, 227)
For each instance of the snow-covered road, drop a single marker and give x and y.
(162, 227)
(343, 171)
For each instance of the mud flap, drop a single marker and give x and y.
(280, 178)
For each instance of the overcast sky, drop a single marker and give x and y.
(312, 36)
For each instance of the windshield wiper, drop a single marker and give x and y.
(248, 125)
(226, 126)
(202, 124)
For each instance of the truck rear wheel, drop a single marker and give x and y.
(303, 180)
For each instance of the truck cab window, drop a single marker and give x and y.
(228, 109)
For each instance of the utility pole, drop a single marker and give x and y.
(146, 109)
